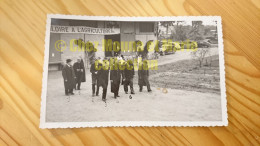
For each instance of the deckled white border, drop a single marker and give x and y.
(44, 124)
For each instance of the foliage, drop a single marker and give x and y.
(200, 55)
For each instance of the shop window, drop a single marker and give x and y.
(112, 24)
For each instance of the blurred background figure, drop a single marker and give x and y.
(79, 70)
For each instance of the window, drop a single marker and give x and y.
(146, 26)
(112, 24)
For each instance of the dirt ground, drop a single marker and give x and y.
(181, 92)
(186, 75)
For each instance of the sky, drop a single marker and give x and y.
(187, 22)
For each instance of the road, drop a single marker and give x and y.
(160, 105)
(183, 55)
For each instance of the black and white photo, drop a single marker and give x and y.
(133, 71)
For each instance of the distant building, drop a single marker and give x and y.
(99, 30)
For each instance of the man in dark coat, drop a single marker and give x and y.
(103, 78)
(143, 76)
(84, 73)
(115, 78)
(94, 76)
(69, 77)
(128, 76)
(79, 72)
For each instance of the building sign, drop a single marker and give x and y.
(83, 29)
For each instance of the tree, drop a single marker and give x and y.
(194, 33)
(180, 31)
(167, 24)
(200, 55)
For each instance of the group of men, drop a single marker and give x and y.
(101, 73)
(73, 75)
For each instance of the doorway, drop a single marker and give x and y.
(115, 37)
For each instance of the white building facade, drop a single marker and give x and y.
(95, 32)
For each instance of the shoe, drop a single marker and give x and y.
(93, 95)
(140, 90)
(149, 90)
(117, 96)
(126, 92)
(72, 93)
(67, 94)
(132, 92)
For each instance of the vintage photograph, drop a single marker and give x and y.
(133, 71)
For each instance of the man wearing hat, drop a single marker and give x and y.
(69, 77)
(115, 76)
(79, 72)
(128, 76)
(103, 72)
(94, 76)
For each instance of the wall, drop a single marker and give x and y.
(96, 38)
(127, 36)
(67, 53)
(54, 55)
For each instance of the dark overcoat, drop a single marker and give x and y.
(115, 76)
(69, 75)
(79, 71)
(142, 76)
(84, 72)
(129, 71)
(93, 68)
(102, 77)
(94, 74)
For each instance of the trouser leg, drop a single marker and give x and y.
(131, 85)
(79, 83)
(147, 84)
(148, 87)
(117, 88)
(71, 90)
(125, 87)
(93, 89)
(97, 92)
(66, 91)
(140, 88)
(104, 94)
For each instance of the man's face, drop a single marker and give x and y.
(69, 63)
(78, 60)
